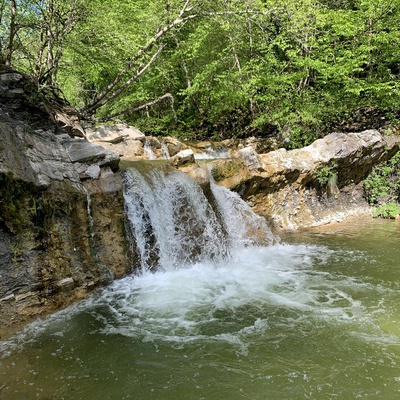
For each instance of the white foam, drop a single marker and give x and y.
(188, 303)
(261, 291)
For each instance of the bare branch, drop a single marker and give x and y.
(141, 52)
(141, 107)
(13, 31)
(120, 90)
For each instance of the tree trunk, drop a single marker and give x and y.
(13, 31)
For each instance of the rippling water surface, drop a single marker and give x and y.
(314, 317)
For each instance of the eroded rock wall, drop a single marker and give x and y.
(289, 189)
(61, 215)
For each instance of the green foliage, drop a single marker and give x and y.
(327, 175)
(387, 211)
(383, 183)
(298, 65)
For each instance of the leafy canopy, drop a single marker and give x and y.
(297, 66)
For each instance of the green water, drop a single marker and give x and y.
(315, 317)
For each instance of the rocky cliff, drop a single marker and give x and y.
(315, 185)
(61, 233)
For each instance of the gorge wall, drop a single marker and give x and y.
(61, 210)
(62, 230)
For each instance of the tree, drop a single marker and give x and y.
(296, 66)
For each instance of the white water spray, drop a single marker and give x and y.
(174, 224)
(148, 150)
(285, 318)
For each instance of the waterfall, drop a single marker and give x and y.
(148, 150)
(90, 218)
(165, 151)
(244, 227)
(172, 223)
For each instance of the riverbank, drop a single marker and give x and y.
(62, 216)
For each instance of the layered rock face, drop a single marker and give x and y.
(315, 185)
(61, 202)
(61, 213)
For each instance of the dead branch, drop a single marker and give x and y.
(109, 93)
(141, 107)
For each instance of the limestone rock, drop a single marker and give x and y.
(115, 133)
(48, 240)
(121, 140)
(200, 175)
(183, 157)
(250, 158)
(11, 83)
(286, 189)
(174, 146)
(92, 172)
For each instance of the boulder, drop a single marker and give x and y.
(121, 140)
(287, 187)
(174, 146)
(114, 134)
(183, 157)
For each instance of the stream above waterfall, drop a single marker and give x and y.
(230, 312)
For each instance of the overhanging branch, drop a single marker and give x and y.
(142, 107)
(123, 82)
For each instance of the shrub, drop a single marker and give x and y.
(383, 184)
(391, 210)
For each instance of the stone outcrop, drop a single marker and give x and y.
(22, 89)
(315, 185)
(62, 230)
(61, 215)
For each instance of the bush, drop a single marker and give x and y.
(391, 210)
(383, 184)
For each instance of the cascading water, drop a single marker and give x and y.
(148, 150)
(174, 224)
(220, 309)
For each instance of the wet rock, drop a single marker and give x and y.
(52, 251)
(288, 190)
(173, 145)
(183, 157)
(200, 175)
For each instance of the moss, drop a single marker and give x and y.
(18, 203)
(226, 169)
(11, 194)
